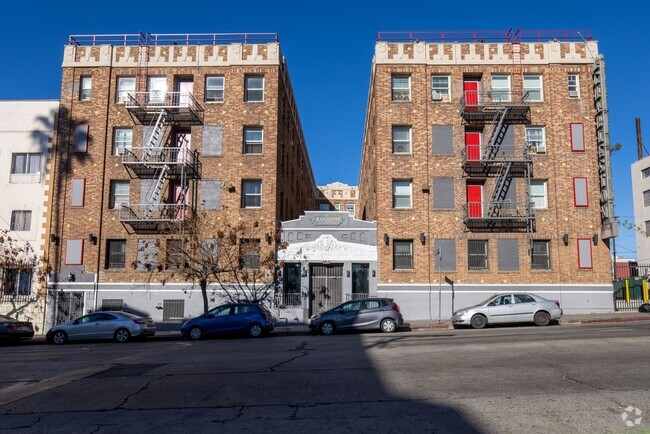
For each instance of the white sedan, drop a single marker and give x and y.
(509, 308)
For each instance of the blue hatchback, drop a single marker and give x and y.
(253, 319)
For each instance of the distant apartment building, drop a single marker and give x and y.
(486, 165)
(338, 196)
(155, 128)
(26, 136)
(641, 201)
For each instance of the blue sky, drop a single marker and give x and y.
(329, 48)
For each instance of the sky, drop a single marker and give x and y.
(329, 48)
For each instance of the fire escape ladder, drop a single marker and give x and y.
(499, 130)
(517, 69)
(156, 192)
(501, 186)
(154, 139)
(143, 62)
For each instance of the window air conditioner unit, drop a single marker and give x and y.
(437, 96)
(573, 93)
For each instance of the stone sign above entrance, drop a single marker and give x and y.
(329, 220)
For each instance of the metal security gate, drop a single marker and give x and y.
(326, 289)
(69, 306)
(173, 310)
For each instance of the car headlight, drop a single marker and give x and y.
(460, 312)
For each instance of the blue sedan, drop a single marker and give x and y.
(250, 318)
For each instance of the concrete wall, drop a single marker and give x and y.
(641, 212)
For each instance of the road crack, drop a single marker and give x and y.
(302, 349)
(143, 388)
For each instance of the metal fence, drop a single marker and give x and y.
(630, 285)
(288, 300)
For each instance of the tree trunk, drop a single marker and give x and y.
(204, 293)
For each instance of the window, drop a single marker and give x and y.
(21, 220)
(401, 87)
(253, 138)
(324, 207)
(440, 88)
(577, 137)
(115, 254)
(538, 194)
(647, 228)
(249, 253)
(251, 194)
(524, 298)
(119, 194)
(214, 86)
(401, 140)
(78, 192)
(254, 88)
(533, 85)
(645, 173)
(646, 198)
(536, 139)
(540, 258)
(500, 88)
(580, 196)
(584, 253)
(122, 139)
(81, 138)
(477, 257)
(574, 85)
(15, 282)
(157, 88)
(349, 207)
(402, 194)
(24, 164)
(125, 86)
(174, 254)
(402, 254)
(84, 88)
(74, 250)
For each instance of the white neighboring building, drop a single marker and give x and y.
(26, 131)
(641, 200)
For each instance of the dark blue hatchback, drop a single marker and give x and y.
(253, 319)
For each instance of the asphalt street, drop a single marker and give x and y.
(506, 379)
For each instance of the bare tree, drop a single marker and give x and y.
(232, 255)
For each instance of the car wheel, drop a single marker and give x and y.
(122, 335)
(255, 330)
(478, 321)
(327, 328)
(542, 319)
(195, 333)
(388, 326)
(59, 338)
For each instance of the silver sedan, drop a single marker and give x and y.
(509, 308)
(117, 325)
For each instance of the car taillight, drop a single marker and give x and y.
(138, 321)
(557, 303)
(264, 313)
(395, 307)
(10, 326)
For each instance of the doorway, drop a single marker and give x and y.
(326, 287)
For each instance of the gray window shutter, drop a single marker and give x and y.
(146, 189)
(443, 193)
(74, 252)
(511, 196)
(508, 254)
(447, 251)
(81, 138)
(212, 141)
(147, 130)
(78, 192)
(442, 138)
(584, 253)
(580, 191)
(148, 249)
(508, 142)
(210, 194)
(577, 139)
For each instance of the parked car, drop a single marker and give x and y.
(509, 308)
(363, 314)
(12, 329)
(251, 318)
(645, 307)
(117, 325)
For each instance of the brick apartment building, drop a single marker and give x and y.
(151, 129)
(484, 163)
(338, 196)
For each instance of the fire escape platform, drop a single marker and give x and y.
(510, 217)
(483, 107)
(145, 163)
(180, 109)
(166, 218)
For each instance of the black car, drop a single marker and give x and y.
(12, 329)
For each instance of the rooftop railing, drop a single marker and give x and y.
(484, 36)
(145, 39)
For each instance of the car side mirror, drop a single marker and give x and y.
(491, 303)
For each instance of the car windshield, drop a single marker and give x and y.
(487, 300)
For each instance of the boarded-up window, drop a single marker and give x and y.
(442, 138)
(510, 201)
(444, 254)
(78, 192)
(508, 254)
(212, 141)
(210, 194)
(74, 250)
(577, 138)
(443, 193)
(580, 191)
(584, 253)
(81, 138)
(147, 258)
